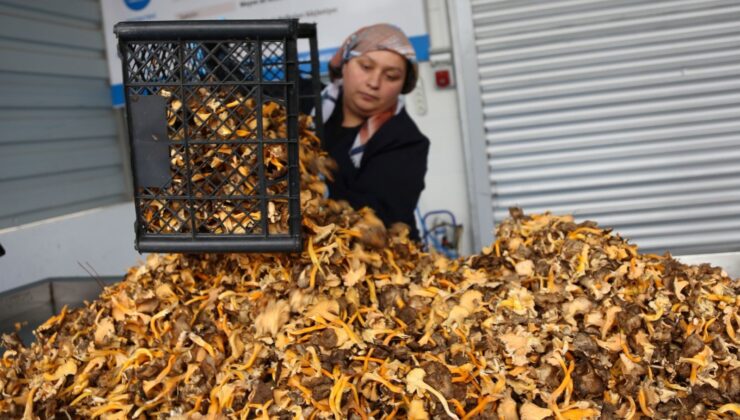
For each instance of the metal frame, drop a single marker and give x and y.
(308, 30)
(471, 119)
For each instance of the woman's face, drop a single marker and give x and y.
(373, 81)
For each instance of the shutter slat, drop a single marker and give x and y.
(80, 10)
(19, 161)
(44, 32)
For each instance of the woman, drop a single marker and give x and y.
(380, 152)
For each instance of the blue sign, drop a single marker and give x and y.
(136, 4)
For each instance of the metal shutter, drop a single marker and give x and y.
(623, 112)
(59, 147)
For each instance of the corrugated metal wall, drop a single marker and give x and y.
(624, 112)
(59, 150)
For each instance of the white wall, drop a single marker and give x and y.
(103, 237)
(435, 112)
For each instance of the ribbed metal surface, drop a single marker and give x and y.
(624, 112)
(59, 147)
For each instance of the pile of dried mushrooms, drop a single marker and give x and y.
(224, 174)
(555, 320)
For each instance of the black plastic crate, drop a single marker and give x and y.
(212, 109)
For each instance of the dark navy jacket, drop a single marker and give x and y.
(390, 178)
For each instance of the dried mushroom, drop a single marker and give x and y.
(554, 320)
(223, 162)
